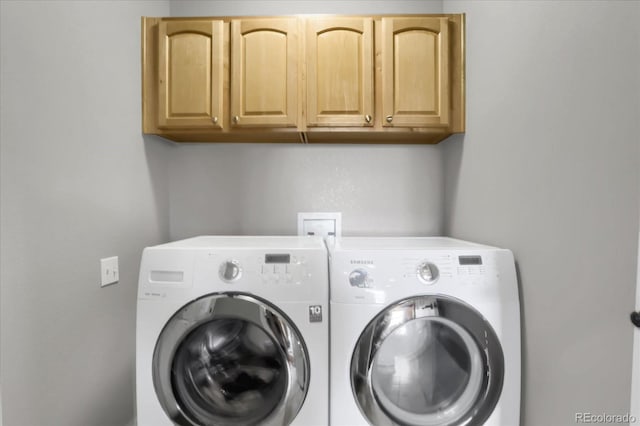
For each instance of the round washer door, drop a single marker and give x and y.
(427, 361)
(230, 359)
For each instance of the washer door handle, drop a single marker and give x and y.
(635, 318)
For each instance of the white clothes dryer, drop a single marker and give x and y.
(233, 331)
(424, 332)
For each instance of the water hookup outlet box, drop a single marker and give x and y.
(323, 224)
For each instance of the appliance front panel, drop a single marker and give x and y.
(292, 280)
(281, 275)
(377, 277)
(230, 359)
(455, 350)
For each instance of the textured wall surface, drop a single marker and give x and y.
(635, 387)
(259, 189)
(291, 7)
(78, 183)
(549, 168)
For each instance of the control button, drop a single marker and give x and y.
(428, 273)
(230, 271)
(298, 274)
(358, 278)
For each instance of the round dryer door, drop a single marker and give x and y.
(427, 361)
(230, 359)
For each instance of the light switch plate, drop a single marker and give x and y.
(321, 224)
(109, 271)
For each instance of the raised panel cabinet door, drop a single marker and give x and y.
(415, 72)
(264, 72)
(190, 74)
(339, 71)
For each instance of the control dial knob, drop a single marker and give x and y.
(358, 278)
(428, 272)
(229, 270)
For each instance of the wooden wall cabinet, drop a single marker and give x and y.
(264, 72)
(415, 72)
(190, 74)
(339, 54)
(330, 79)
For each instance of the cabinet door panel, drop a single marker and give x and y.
(340, 72)
(190, 74)
(415, 72)
(264, 76)
(266, 90)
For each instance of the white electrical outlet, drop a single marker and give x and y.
(109, 271)
(320, 224)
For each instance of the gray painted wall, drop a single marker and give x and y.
(78, 183)
(259, 189)
(549, 168)
(635, 377)
(292, 7)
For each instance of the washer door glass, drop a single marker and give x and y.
(226, 360)
(428, 361)
(232, 368)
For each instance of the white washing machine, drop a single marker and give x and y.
(233, 331)
(424, 331)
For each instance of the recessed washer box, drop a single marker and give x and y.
(322, 224)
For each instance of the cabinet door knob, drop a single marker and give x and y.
(214, 120)
(389, 118)
(635, 318)
(367, 118)
(236, 119)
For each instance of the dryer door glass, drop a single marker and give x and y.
(427, 361)
(427, 372)
(230, 359)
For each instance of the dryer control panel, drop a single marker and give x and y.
(374, 277)
(427, 269)
(470, 266)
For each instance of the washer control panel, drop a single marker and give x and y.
(230, 270)
(281, 268)
(271, 268)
